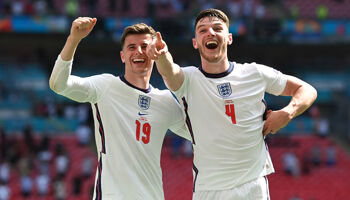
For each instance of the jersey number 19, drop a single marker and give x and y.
(146, 130)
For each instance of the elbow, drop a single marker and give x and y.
(52, 85)
(314, 93)
(311, 93)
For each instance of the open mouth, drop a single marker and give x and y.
(138, 60)
(211, 44)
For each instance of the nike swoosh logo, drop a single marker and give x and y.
(141, 114)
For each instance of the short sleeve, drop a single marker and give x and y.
(183, 89)
(275, 80)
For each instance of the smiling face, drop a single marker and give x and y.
(211, 39)
(134, 55)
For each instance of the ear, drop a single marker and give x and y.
(122, 56)
(230, 39)
(194, 43)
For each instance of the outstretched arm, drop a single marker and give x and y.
(303, 95)
(60, 78)
(171, 72)
(81, 27)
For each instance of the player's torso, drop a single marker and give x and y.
(141, 118)
(134, 125)
(226, 115)
(231, 106)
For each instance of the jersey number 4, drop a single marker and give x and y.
(146, 130)
(230, 111)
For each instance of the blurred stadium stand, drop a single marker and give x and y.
(309, 39)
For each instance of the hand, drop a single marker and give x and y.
(275, 120)
(81, 27)
(157, 48)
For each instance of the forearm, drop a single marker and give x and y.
(301, 100)
(303, 95)
(69, 48)
(171, 72)
(62, 68)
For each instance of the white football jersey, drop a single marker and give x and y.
(225, 118)
(130, 125)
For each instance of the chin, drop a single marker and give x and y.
(211, 58)
(142, 72)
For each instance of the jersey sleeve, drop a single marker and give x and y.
(178, 125)
(79, 89)
(182, 91)
(275, 80)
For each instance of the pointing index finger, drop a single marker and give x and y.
(159, 36)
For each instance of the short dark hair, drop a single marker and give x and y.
(212, 12)
(140, 28)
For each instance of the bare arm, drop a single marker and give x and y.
(303, 95)
(171, 72)
(81, 27)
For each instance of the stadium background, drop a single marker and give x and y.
(47, 149)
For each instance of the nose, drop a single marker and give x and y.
(139, 50)
(211, 31)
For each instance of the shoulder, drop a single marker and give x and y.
(165, 95)
(190, 69)
(104, 81)
(191, 72)
(251, 68)
(108, 76)
(247, 66)
(161, 93)
(103, 78)
(264, 72)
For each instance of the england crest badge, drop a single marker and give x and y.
(144, 102)
(225, 89)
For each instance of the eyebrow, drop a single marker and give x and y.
(215, 24)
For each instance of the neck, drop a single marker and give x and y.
(139, 81)
(215, 68)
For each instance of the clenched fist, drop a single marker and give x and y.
(81, 27)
